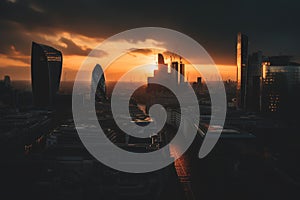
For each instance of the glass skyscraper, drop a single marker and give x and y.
(281, 84)
(46, 66)
(242, 55)
(98, 84)
(254, 71)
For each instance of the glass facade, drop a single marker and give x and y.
(242, 55)
(280, 88)
(46, 66)
(98, 84)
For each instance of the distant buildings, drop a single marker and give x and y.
(6, 92)
(160, 94)
(162, 74)
(6, 81)
(197, 86)
(46, 66)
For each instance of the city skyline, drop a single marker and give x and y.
(149, 100)
(136, 57)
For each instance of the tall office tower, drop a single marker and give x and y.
(46, 66)
(98, 84)
(174, 70)
(254, 74)
(182, 72)
(162, 66)
(161, 59)
(281, 86)
(242, 54)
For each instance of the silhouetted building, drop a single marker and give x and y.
(46, 66)
(242, 54)
(199, 80)
(253, 82)
(182, 72)
(161, 60)
(197, 86)
(281, 86)
(98, 84)
(174, 67)
(158, 92)
(7, 81)
(8, 95)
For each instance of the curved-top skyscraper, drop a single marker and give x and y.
(46, 66)
(98, 84)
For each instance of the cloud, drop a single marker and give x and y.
(72, 48)
(134, 51)
(213, 24)
(98, 53)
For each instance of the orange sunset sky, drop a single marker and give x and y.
(17, 64)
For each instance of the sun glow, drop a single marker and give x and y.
(135, 57)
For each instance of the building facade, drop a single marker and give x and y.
(98, 84)
(280, 86)
(46, 67)
(242, 61)
(254, 73)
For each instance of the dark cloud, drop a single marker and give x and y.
(98, 53)
(14, 35)
(272, 26)
(72, 48)
(140, 51)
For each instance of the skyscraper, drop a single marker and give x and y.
(281, 85)
(174, 67)
(160, 59)
(254, 72)
(182, 72)
(46, 66)
(242, 55)
(98, 84)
